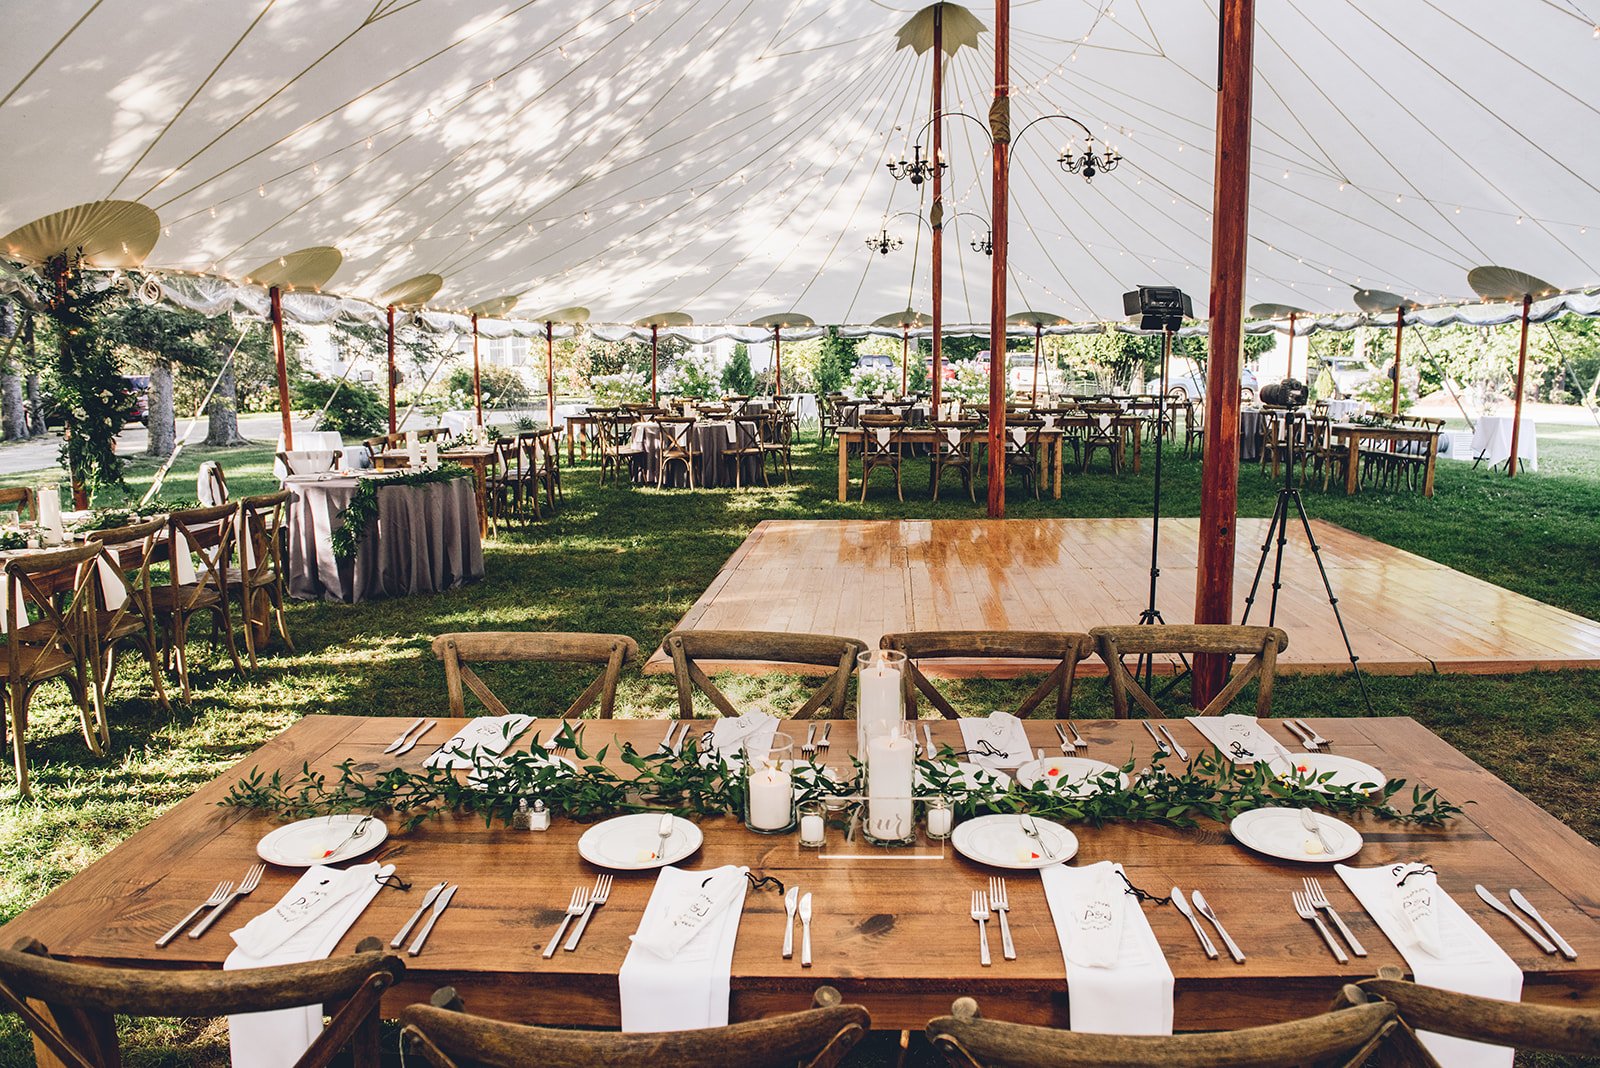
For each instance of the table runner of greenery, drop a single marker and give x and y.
(363, 507)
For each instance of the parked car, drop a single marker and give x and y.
(1195, 385)
(1350, 373)
(875, 362)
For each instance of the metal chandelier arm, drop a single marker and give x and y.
(1087, 133)
(956, 114)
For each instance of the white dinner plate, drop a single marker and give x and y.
(998, 841)
(308, 842)
(630, 843)
(971, 778)
(1346, 772)
(1277, 832)
(1068, 775)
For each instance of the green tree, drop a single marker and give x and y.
(503, 387)
(835, 361)
(347, 407)
(167, 337)
(737, 377)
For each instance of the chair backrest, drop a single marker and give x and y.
(679, 431)
(1261, 644)
(961, 447)
(445, 1036)
(1547, 1028)
(1029, 433)
(877, 445)
(210, 484)
(804, 651)
(1059, 651)
(259, 523)
(207, 534)
(37, 579)
(70, 1007)
(461, 650)
(131, 594)
(1345, 1037)
(310, 461)
(24, 499)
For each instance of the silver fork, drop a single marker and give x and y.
(810, 744)
(1303, 907)
(1316, 739)
(1300, 736)
(1077, 739)
(575, 907)
(1067, 747)
(1319, 900)
(597, 897)
(252, 879)
(558, 749)
(980, 912)
(218, 896)
(823, 742)
(1000, 901)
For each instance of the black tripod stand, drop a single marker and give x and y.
(1284, 435)
(1146, 667)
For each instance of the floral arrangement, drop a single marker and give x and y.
(872, 381)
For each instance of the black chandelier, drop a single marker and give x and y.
(919, 169)
(984, 244)
(882, 243)
(1088, 163)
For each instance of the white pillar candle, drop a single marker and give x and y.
(413, 448)
(882, 698)
(50, 515)
(430, 455)
(940, 822)
(891, 767)
(771, 799)
(811, 830)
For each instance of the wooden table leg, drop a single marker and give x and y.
(1055, 447)
(1136, 450)
(844, 468)
(1351, 483)
(571, 445)
(1427, 477)
(480, 475)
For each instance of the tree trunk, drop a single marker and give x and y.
(159, 419)
(13, 416)
(36, 427)
(223, 413)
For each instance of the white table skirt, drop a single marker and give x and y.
(1491, 439)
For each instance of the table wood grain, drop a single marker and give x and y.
(891, 934)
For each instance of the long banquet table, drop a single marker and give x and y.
(849, 437)
(892, 934)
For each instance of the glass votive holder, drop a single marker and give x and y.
(941, 818)
(813, 823)
(769, 785)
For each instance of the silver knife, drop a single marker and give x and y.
(1205, 910)
(1495, 903)
(401, 740)
(427, 899)
(1183, 906)
(790, 901)
(1527, 906)
(1160, 743)
(805, 931)
(438, 908)
(415, 738)
(1183, 754)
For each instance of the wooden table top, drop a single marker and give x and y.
(891, 934)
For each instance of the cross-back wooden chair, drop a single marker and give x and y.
(443, 1035)
(954, 456)
(211, 484)
(880, 447)
(777, 442)
(205, 535)
(504, 482)
(311, 461)
(749, 443)
(124, 613)
(1022, 451)
(688, 647)
(1102, 431)
(1346, 1037)
(1545, 1028)
(461, 650)
(70, 1008)
(618, 448)
(55, 646)
(258, 582)
(1062, 650)
(1261, 644)
(24, 499)
(678, 445)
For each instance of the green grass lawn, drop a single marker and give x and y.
(632, 561)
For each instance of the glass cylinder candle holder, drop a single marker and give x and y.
(890, 762)
(813, 823)
(941, 818)
(769, 785)
(882, 700)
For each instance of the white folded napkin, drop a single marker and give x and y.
(278, 1039)
(733, 432)
(486, 735)
(953, 436)
(1469, 961)
(730, 734)
(1243, 740)
(1002, 731)
(1049, 422)
(882, 434)
(688, 989)
(1019, 435)
(1133, 996)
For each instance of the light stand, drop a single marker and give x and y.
(1159, 308)
(1289, 494)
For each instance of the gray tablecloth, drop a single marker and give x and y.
(1250, 434)
(425, 540)
(711, 441)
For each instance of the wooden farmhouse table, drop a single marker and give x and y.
(854, 435)
(1351, 435)
(477, 459)
(891, 934)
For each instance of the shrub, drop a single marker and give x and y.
(503, 387)
(355, 409)
(736, 376)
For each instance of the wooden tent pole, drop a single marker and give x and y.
(937, 214)
(777, 361)
(391, 368)
(477, 377)
(905, 359)
(550, 370)
(1000, 132)
(1399, 332)
(1038, 342)
(1230, 227)
(655, 396)
(275, 299)
(1288, 368)
(1522, 372)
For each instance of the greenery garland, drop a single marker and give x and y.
(1207, 787)
(363, 509)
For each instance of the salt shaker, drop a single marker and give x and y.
(522, 819)
(539, 818)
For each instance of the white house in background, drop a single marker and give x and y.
(325, 354)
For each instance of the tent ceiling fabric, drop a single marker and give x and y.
(413, 291)
(721, 158)
(783, 321)
(307, 268)
(112, 233)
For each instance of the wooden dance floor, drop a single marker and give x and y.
(1405, 614)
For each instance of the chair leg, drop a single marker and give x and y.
(155, 668)
(179, 644)
(282, 616)
(897, 491)
(18, 713)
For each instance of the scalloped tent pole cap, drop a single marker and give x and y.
(664, 319)
(961, 30)
(1379, 302)
(1508, 284)
(307, 268)
(1275, 311)
(905, 320)
(1037, 318)
(783, 321)
(574, 316)
(413, 292)
(493, 308)
(112, 233)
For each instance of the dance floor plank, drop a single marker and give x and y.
(865, 578)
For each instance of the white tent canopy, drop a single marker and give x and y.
(728, 159)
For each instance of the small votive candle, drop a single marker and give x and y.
(812, 824)
(941, 818)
